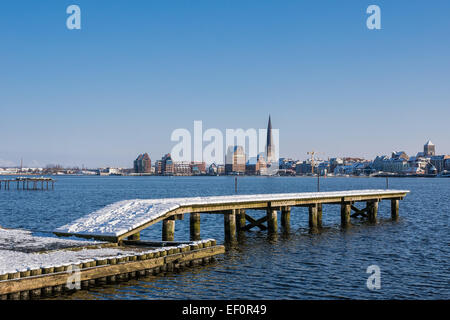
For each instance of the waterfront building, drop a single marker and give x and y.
(378, 163)
(414, 170)
(168, 167)
(143, 164)
(447, 164)
(8, 171)
(417, 164)
(431, 169)
(398, 163)
(439, 162)
(334, 162)
(109, 171)
(256, 166)
(344, 169)
(220, 169)
(159, 167)
(287, 164)
(198, 168)
(323, 168)
(213, 170)
(429, 149)
(235, 160)
(252, 167)
(182, 168)
(305, 168)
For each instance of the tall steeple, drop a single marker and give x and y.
(269, 146)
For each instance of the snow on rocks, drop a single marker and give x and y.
(23, 240)
(13, 261)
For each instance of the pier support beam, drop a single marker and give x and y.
(394, 209)
(286, 217)
(229, 219)
(372, 210)
(312, 216)
(168, 230)
(346, 209)
(319, 215)
(272, 220)
(194, 226)
(241, 221)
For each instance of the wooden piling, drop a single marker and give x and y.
(346, 209)
(395, 209)
(319, 215)
(168, 230)
(313, 216)
(230, 225)
(286, 217)
(372, 209)
(272, 221)
(241, 220)
(194, 226)
(15, 295)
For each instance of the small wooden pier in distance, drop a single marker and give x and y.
(235, 210)
(26, 183)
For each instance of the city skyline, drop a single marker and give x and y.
(118, 87)
(317, 156)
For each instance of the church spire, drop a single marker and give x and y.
(269, 146)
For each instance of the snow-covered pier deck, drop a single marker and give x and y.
(125, 219)
(33, 266)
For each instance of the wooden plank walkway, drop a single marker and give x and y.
(125, 219)
(136, 259)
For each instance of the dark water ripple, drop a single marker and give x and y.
(413, 253)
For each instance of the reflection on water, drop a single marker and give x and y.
(412, 253)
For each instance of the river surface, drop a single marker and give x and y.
(412, 253)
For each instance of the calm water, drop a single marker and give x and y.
(413, 253)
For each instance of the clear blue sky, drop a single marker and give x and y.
(137, 70)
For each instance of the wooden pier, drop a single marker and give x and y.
(235, 210)
(121, 224)
(146, 259)
(25, 183)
